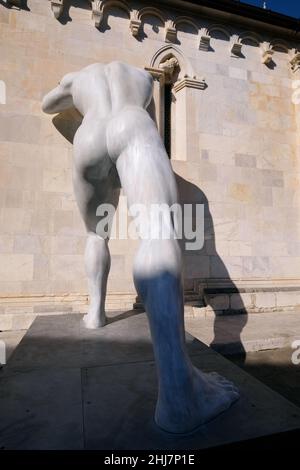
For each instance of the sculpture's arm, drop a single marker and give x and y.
(60, 98)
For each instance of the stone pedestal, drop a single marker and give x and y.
(62, 376)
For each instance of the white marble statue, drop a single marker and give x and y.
(117, 133)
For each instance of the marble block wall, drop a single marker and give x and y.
(240, 158)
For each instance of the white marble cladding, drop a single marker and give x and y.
(236, 149)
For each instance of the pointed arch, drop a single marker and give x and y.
(168, 51)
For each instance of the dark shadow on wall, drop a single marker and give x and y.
(65, 17)
(22, 5)
(67, 123)
(208, 258)
(114, 11)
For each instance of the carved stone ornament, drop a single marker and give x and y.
(236, 49)
(97, 12)
(135, 25)
(204, 43)
(170, 32)
(295, 62)
(186, 82)
(170, 67)
(267, 56)
(57, 7)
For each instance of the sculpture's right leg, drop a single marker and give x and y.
(97, 256)
(187, 396)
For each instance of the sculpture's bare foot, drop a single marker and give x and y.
(203, 399)
(92, 321)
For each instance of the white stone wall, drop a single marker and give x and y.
(241, 158)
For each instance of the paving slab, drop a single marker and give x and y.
(233, 334)
(68, 398)
(123, 418)
(63, 341)
(41, 409)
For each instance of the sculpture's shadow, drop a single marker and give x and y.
(67, 124)
(189, 193)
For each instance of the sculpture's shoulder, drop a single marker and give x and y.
(129, 73)
(129, 84)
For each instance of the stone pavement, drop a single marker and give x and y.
(66, 387)
(233, 334)
(274, 368)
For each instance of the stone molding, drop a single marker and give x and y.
(171, 24)
(190, 83)
(157, 74)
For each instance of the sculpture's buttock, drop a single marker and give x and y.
(91, 157)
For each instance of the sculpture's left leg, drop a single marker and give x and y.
(97, 255)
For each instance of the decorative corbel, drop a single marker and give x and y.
(266, 53)
(135, 23)
(295, 62)
(57, 7)
(135, 27)
(267, 56)
(97, 12)
(204, 43)
(236, 47)
(170, 31)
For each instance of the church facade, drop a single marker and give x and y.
(226, 102)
